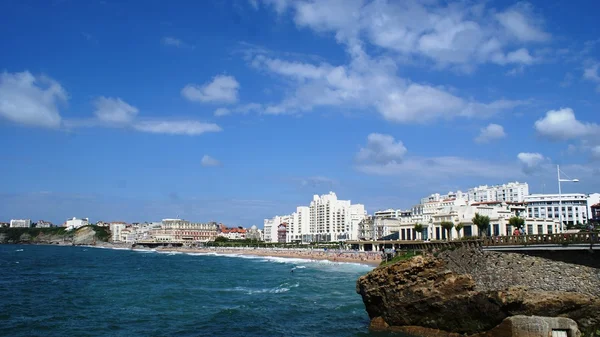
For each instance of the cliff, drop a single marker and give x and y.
(470, 292)
(86, 235)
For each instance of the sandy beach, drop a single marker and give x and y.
(370, 258)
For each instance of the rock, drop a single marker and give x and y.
(423, 292)
(532, 326)
(84, 236)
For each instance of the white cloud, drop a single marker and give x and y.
(31, 100)
(222, 89)
(458, 34)
(208, 161)
(442, 168)
(562, 125)
(490, 132)
(243, 109)
(222, 112)
(520, 21)
(114, 111)
(590, 73)
(190, 128)
(381, 149)
(596, 152)
(172, 41)
(318, 181)
(531, 162)
(370, 83)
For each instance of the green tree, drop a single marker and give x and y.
(516, 222)
(482, 222)
(448, 225)
(459, 228)
(419, 229)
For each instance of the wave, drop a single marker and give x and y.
(282, 288)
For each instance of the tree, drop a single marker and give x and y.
(448, 225)
(516, 222)
(459, 228)
(482, 222)
(419, 229)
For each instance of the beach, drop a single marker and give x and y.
(369, 258)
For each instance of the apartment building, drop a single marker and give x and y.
(20, 223)
(509, 192)
(326, 219)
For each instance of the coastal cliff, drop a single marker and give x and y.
(470, 292)
(87, 235)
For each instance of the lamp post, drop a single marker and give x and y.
(562, 229)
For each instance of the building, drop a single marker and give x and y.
(546, 206)
(254, 233)
(235, 233)
(595, 213)
(116, 230)
(510, 192)
(331, 219)
(75, 223)
(4, 224)
(44, 224)
(20, 223)
(282, 233)
(179, 230)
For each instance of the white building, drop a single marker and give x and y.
(75, 223)
(546, 206)
(23, 223)
(44, 224)
(116, 229)
(510, 192)
(334, 220)
(326, 219)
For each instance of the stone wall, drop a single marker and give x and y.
(500, 270)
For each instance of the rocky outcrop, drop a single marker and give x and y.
(84, 236)
(87, 235)
(439, 296)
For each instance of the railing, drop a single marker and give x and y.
(541, 239)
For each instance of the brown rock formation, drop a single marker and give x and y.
(422, 296)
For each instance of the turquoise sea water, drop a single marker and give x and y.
(79, 291)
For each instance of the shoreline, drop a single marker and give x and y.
(370, 259)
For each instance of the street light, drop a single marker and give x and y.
(560, 210)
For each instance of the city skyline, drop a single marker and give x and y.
(240, 110)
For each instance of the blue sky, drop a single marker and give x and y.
(234, 111)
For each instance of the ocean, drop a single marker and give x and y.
(84, 291)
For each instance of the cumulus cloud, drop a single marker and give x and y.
(190, 128)
(520, 21)
(456, 34)
(114, 111)
(381, 149)
(562, 125)
(531, 162)
(596, 152)
(442, 168)
(489, 133)
(31, 100)
(222, 89)
(370, 83)
(222, 112)
(208, 161)
(590, 73)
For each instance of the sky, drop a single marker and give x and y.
(236, 111)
